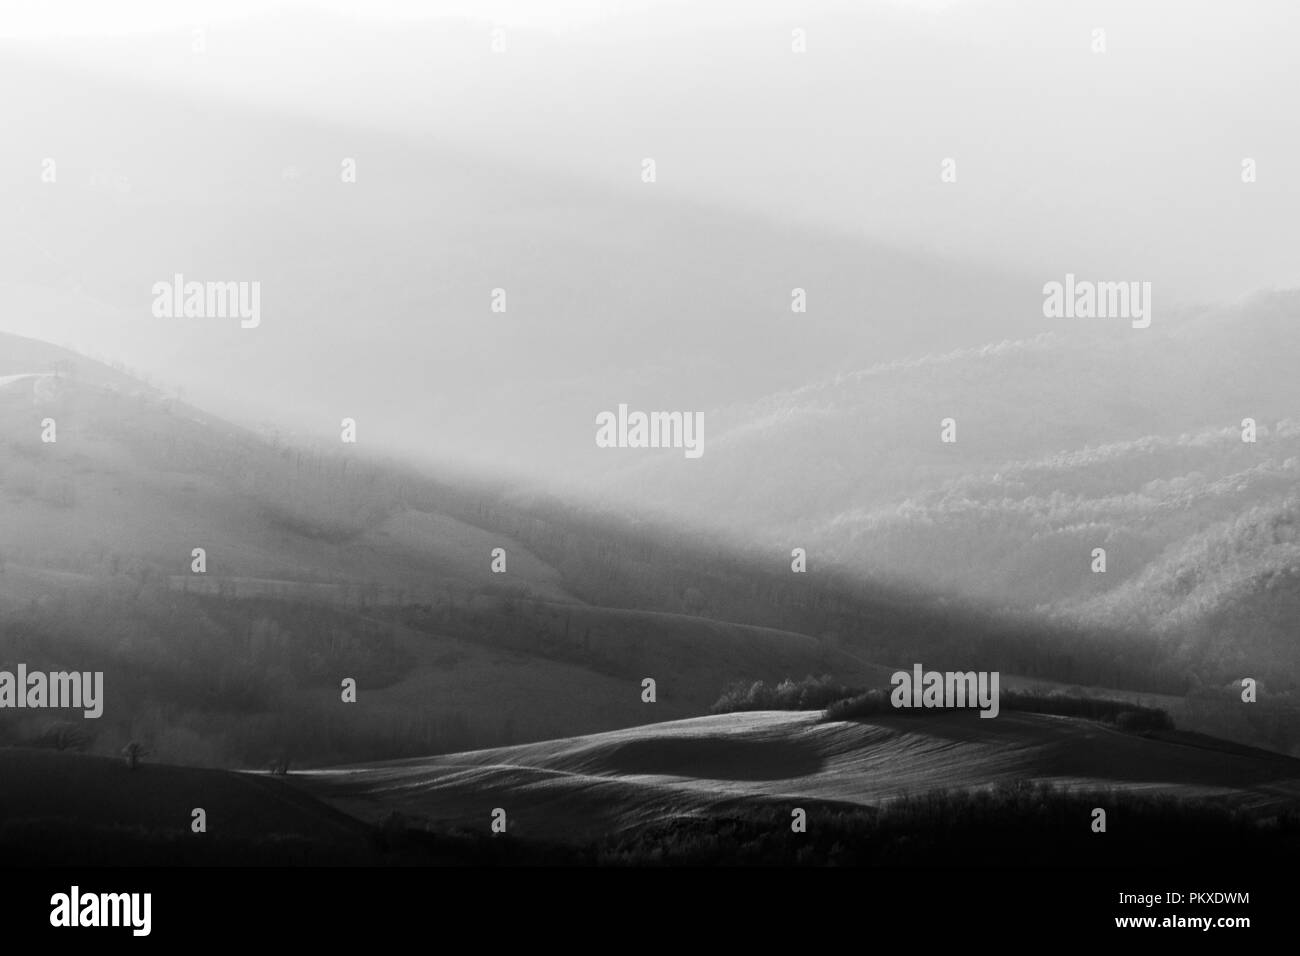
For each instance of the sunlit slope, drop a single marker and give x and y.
(592, 785)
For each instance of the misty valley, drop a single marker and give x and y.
(422, 583)
(342, 611)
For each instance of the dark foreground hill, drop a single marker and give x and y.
(933, 789)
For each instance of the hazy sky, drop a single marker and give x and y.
(1127, 160)
(46, 18)
(1104, 139)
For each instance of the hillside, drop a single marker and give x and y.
(323, 564)
(591, 786)
(1065, 442)
(64, 808)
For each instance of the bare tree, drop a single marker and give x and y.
(134, 752)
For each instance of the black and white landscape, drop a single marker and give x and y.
(574, 432)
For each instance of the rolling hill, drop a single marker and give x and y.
(931, 788)
(595, 785)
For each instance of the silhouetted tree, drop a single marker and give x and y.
(134, 752)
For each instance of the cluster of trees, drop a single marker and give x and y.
(846, 703)
(811, 693)
(1125, 715)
